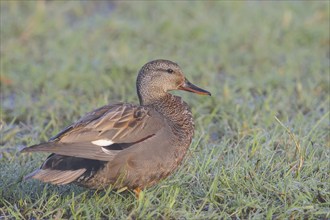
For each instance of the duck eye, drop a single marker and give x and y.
(169, 70)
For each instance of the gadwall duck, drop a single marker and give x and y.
(125, 145)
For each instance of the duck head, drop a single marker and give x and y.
(158, 77)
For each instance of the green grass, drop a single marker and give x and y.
(262, 61)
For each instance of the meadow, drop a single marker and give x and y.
(261, 148)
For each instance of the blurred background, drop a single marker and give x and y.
(269, 58)
(55, 51)
(259, 59)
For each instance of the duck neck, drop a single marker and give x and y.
(177, 113)
(149, 98)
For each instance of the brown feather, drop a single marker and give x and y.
(82, 150)
(56, 176)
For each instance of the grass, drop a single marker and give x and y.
(262, 143)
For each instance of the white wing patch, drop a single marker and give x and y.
(102, 142)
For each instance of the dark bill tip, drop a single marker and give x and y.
(188, 86)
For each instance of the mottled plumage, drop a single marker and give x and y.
(125, 145)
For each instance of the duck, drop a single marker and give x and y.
(122, 145)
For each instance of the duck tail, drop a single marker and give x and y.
(59, 177)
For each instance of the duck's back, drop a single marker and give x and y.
(84, 148)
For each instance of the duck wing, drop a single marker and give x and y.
(104, 132)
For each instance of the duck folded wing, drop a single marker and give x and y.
(103, 133)
(83, 150)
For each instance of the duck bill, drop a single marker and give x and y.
(188, 86)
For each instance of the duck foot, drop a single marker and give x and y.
(137, 192)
